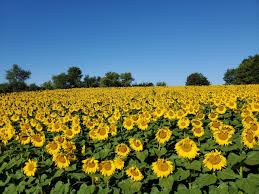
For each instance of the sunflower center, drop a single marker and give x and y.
(216, 124)
(136, 143)
(69, 132)
(61, 139)
(128, 122)
(249, 137)
(107, 166)
(61, 159)
(253, 127)
(162, 134)
(53, 146)
(91, 164)
(162, 166)
(223, 135)
(134, 172)
(102, 131)
(122, 149)
(183, 123)
(38, 138)
(196, 122)
(24, 137)
(186, 147)
(197, 130)
(214, 160)
(31, 167)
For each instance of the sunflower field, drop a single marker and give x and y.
(131, 140)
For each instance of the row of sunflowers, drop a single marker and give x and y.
(131, 140)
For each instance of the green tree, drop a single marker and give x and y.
(248, 71)
(196, 79)
(60, 81)
(47, 85)
(111, 79)
(126, 79)
(161, 84)
(91, 82)
(16, 77)
(74, 75)
(230, 76)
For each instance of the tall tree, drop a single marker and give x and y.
(111, 79)
(16, 77)
(60, 81)
(126, 79)
(230, 76)
(74, 75)
(90, 82)
(197, 79)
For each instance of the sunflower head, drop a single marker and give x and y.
(122, 150)
(214, 160)
(163, 135)
(30, 168)
(90, 165)
(198, 131)
(61, 160)
(107, 168)
(162, 168)
(134, 173)
(136, 144)
(53, 147)
(186, 148)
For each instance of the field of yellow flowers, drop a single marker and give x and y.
(131, 140)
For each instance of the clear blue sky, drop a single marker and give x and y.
(156, 40)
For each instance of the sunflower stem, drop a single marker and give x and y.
(241, 171)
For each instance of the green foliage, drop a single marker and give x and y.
(110, 79)
(126, 79)
(161, 84)
(230, 76)
(196, 79)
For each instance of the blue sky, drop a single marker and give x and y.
(156, 40)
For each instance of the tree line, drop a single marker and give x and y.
(247, 72)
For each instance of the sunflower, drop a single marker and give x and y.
(113, 129)
(53, 147)
(248, 138)
(162, 167)
(107, 168)
(38, 140)
(213, 116)
(186, 148)
(198, 131)
(122, 150)
(60, 139)
(24, 138)
(221, 109)
(170, 115)
(102, 132)
(134, 173)
(222, 137)
(128, 123)
(142, 124)
(93, 134)
(136, 144)
(183, 123)
(196, 123)
(69, 147)
(163, 135)
(215, 125)
(61, 160)
(119, 163)
(69, 133)
(30, 168)
(214, 160)
(90, 165)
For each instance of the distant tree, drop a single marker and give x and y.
(161, 84)
(60, 81)
(126, 79)
(111, 79)
(230, 76)
(74, 75)
(248, 71)
(16, 77)
(47, 85)
(197, 79)
(143, 84)
(34, 87)
(5, 88)
(90, 82)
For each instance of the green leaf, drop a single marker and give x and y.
(142, 155)
(18, 174)
(166, 183)
(181, 174)
(246, 186)
(3, 183)
(77, 175)
(58, 173)
(205, 180)
(86, 189)
(233, 159)
(194, 165)
(21, 186)
(227, 174)
(129, 186)
(10, 189)
(59, 188)
(252, 158)
(160, 152)
(253, 178)
(71, 168)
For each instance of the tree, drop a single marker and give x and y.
(16, 77)
(74, 75)
(196, 79)
(160, 84)
(111, 79)
(90, 82)
(126, 79)
(47, 85)
(60, 81)
(34, 87)
(230, 76)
